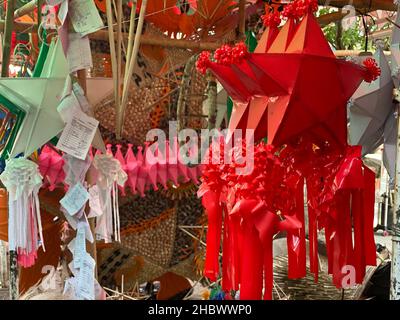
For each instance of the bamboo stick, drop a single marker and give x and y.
(194, 237)
(128, 76)
(111, 39)
(82, 77)
(39, 18)
(130, 35)
(119, 293)
(119, 52)
(8, 29)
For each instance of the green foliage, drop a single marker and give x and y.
(352, 38)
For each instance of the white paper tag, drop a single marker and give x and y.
(78, 135)
(94, 202)
(71, 220)
(75, 199)
(74, 271)
(79, 55)
(55, 2)
(83, 101)
(84, 16)
(85, 279)
(63, 11)
(69, 288)
(79, 246)
(88, 232)
(99, 291)
(75, 169)
(68, 107)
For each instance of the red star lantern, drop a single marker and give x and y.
(306, 86)
(318, 85)
(294, 91)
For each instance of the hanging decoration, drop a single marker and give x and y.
(36, 119)
(395, 50)
(299, 91)
(390, 128)
(188, 17)
(23, 181)
(370, 106)
(153, 167)
(51, 166)
(142, 174)
(260, 75)
(185, 7)
(109, 175)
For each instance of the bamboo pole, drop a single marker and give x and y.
(14, 287)
(181, 105)
(91, 179)
(8, 29)
(366, 5)
(104, 35)
(25, 9)
(128, 76)
(328, 18)
(242, 20)
(395, 267)
(20, 26)
(39, 18)
(159, 41)
(176, 43)
(380, 34)
(212, 101)
(352, 53)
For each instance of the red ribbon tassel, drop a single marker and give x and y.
(227, 257)
(343, 243)
(357, 213)
(329, 245)
(268, 267)
(266, 223)
(235, 249)
(296, 242)
(312, 234)
(369, 207)
(251, 280)
(214, 211)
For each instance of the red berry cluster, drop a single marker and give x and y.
(203, 61)
(372, 71)
(272, 20)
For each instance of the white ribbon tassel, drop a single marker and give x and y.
(23, 181)
(110, 175)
